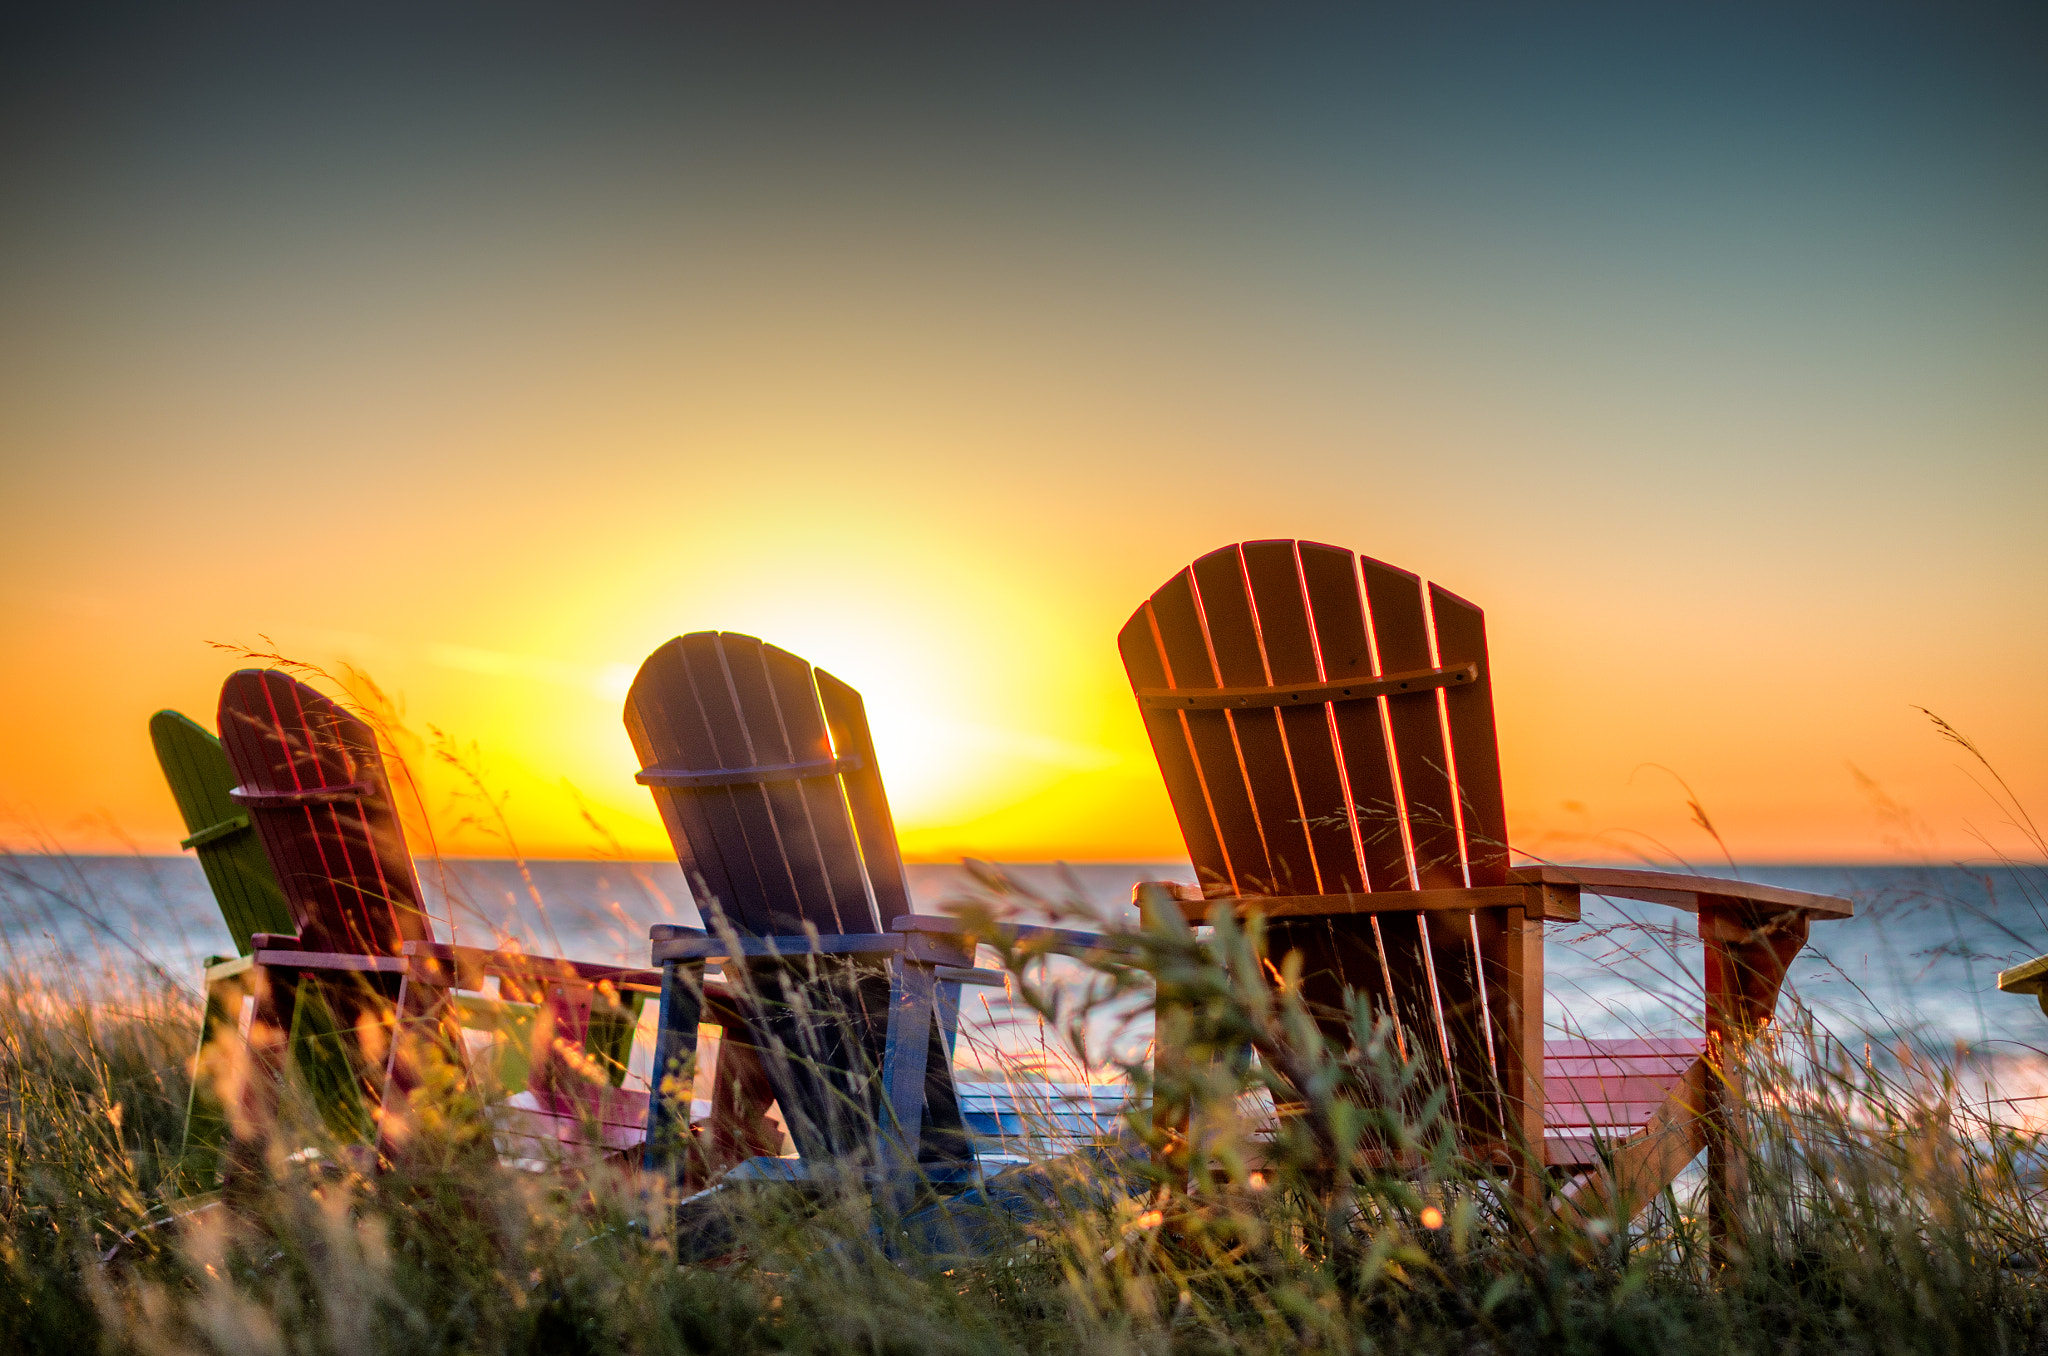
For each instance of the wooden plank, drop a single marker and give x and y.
(2026, 977)
(796, 702)
(1475, 748)
(255, 753)
(846, 718)
(1171, 749)
(713, 948)
(1310, 693)
(521, 965)
(677, 691)
(344, 866)
(1185, 650)
(1517, 974)
(710, 655)
(219, 831)
(381, 893)
(1689, 1046)
(424, 1035)
(217, 1074)
(351, 962)
(912, 999)
(1379, 901)
(768, 742)
(675, 1060)
(1336, 606)
(663, 722)
(1400, 633)
(1682, 891)
(1280, 598)
(1647, 1162)
(1648, 1066)
(1233, 633)
(1598, 1091)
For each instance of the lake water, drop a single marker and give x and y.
(1918, 962)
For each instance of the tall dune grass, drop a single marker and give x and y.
(1883, 1215)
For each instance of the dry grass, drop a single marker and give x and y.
(1881, 1218)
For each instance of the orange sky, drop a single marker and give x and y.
(1745, 460)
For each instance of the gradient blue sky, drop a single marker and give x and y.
(488, 347)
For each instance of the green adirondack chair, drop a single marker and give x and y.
(218, 832)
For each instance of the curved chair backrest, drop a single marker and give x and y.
(1324, 723)
(312, 781)
(766, 779)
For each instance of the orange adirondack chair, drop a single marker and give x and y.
(1324, 725)
(364, 974)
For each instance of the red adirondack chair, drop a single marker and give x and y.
(365, 961)
(1324, 725)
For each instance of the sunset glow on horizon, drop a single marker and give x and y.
(1727, 410)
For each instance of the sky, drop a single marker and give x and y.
(483, 349)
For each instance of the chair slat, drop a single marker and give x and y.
(796, 697)
(1600, 1090)
(771, 741)
(776, 908)
(342, 864)
(1475, 749)
(1331, 576)
(1173, 751)
(1687, 1048)
(1261, 749)
(874, 827)
(660, 707)
(1278, 593)
(1627, 1117)
(1185, 650)
(1400, 633)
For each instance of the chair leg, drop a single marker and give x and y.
(912, 1004)
(253, 1114)
(1748, 952)
(218, 1070)
(675, 1066)
(424, 1033)
(739, 1128)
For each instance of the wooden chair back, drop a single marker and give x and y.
(313, 783)
(1324, 722)
(218, 830)
(766, 779)
(1324, 725)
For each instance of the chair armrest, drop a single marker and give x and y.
(2026, 977)
(292, 959)
(473, 963)
(1056, 939)
(1682, 891)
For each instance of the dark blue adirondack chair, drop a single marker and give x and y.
(767, 782)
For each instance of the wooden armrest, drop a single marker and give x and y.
(331, 960)
(1681, 891)
(2026, 977)
(472, 963)
(690, 945)
(1014, 933)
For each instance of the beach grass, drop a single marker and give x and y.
(1883, 1213)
